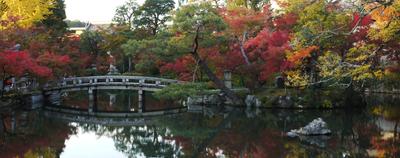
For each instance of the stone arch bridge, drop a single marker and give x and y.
(93, 83)
(111, 82)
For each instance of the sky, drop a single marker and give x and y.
(94, 11)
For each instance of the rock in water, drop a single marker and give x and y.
(316, 127)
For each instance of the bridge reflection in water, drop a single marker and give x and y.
(91, 110)
(203, 131)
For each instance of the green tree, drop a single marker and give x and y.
(154, 14)
(127, 14)
(253, 4)
(149, 17)
(198, 26)
(55, 22)
(91, 42)
(113, 38)
(146, 52)
(75, 23)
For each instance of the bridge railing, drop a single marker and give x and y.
(116, 80)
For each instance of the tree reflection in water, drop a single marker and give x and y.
(387, 142)
(247, 133)
(213, 132)
(34, 136)
(136, 141)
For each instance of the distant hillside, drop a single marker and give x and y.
(75, 23)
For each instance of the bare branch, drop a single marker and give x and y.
(246, 59)
(203, 65)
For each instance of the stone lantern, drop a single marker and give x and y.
(228, 78)
(112, 69)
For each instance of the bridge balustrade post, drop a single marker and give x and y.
(80, 81)
(158, 83)
(74, 81)
(141, 100)
(13, 122)
(95, 80)
(91, 99)
(64, 82)
(141, 82)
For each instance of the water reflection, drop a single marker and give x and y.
(387, 108)
(210, 132)
(138, 141)
(33, 136)
(88, 144)
(111, 101)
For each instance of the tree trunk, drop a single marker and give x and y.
(129, 64)
(3, 84)
(246, 59)
(253, 76)
(195, 71)
(395, 130)
(2, 125)
(2, 89)
(123, 66)
(203, 65)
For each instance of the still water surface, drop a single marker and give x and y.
(203, 132)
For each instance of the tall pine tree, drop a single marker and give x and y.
(55, 22)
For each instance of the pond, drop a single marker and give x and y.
(198, 131)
